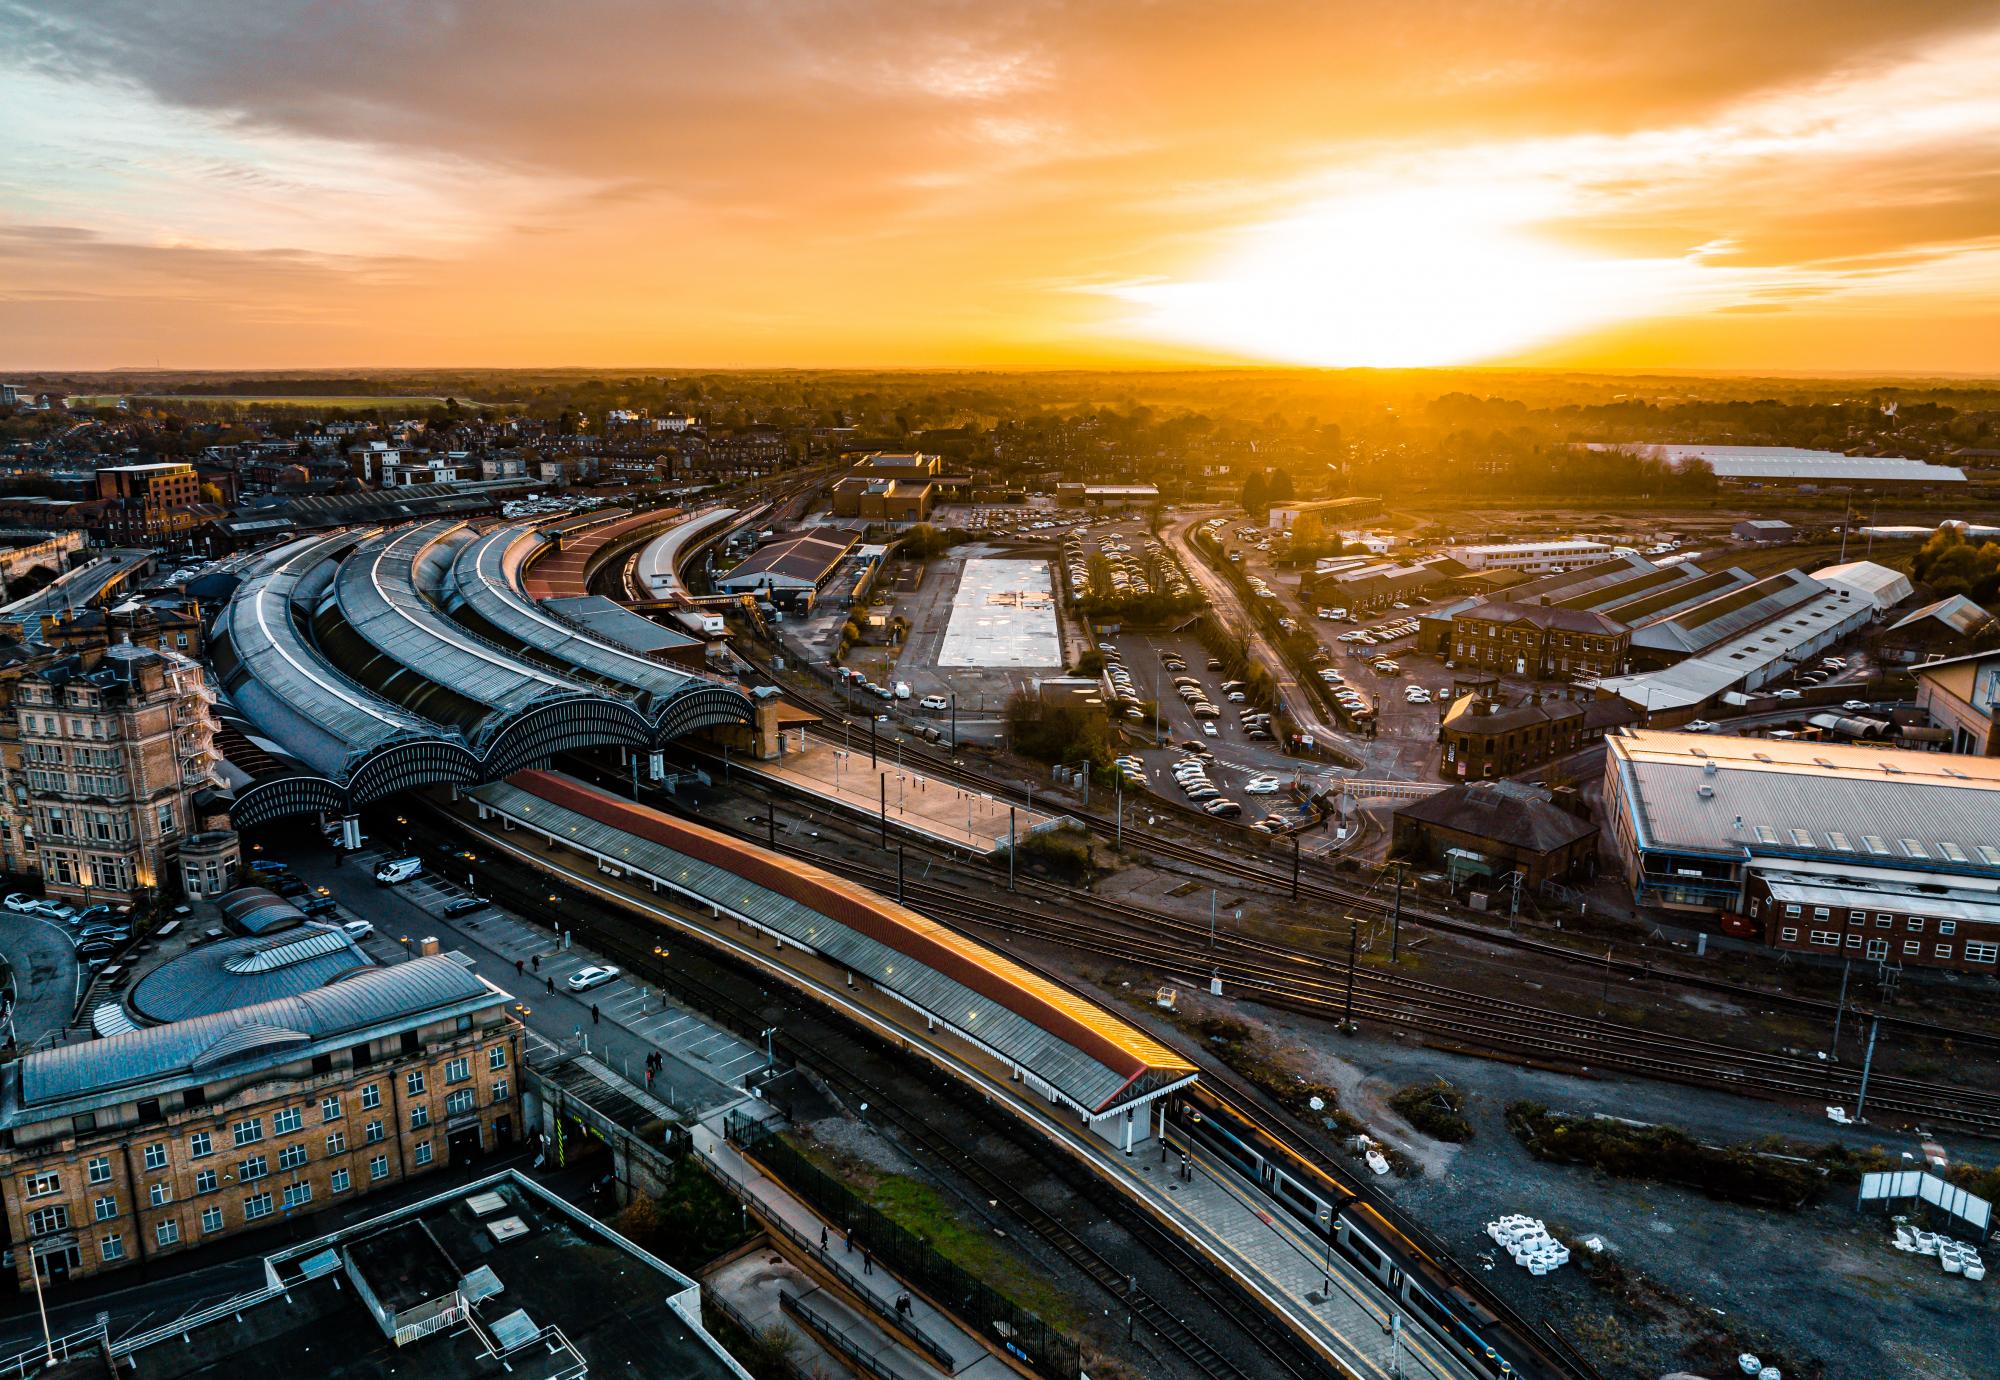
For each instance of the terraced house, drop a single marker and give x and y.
(125, 1149)
(1539, 641)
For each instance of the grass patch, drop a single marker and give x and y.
(1434, 1107)
(920, 1210)
(1756, 1175)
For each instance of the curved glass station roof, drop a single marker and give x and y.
(373, 661)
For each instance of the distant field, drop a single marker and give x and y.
(334, 402)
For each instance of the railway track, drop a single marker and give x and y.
(1218, 856)
(1319, 985)
(810, 1039)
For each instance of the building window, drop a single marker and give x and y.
(1981, 951)
(1884, 920)
(420, 1117)
(457, 1070)
(48, 1219)
(41, 1185)
(112, 1247)
(295, 1194)
(1788, 935)
(329, 1109)
(460, 1101)
(252, 1169)
(1826, 938)
(371, 1097)
(105, 1207)
(423, 1155)
(496, 1057)
(291, 1157)
(1853, 941)
(1941, 951)
(167, 1233)
(1916, 924)
(1913, 946)
(1791, 912)
(1947, 927)
(257, 1205)
(205, 1181)
(1857, 917)
(287, 1121)
(211, 1219)
(499, 1090)
(414, 1083)
(378, 1168)
(248, 1132)
(201, 1143)
(338, 1181)
(156, 1157)
(100, 1170)
(162, 1194)
(336, 1143)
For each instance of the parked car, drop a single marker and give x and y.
(1223, 808)
(1785, 694)
(23, 904)
(1208, 728)
(1264, 785)
(358, 929)
(465, 905)
(934, 702)
(583, 979)
(1855, 704)
(320, 905)
(398, 870)
(115, 933)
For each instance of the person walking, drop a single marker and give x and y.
(596, 1016)
(868, 1262)
(538, 963)
(822, 1237)
(520, 968)
(552, 985)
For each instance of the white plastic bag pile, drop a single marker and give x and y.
(1953, 1257)
(1527, 1239)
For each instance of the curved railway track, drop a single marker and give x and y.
(1222, 857)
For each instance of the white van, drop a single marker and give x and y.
(902, 689)
(398, 870)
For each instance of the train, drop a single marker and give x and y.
(1331, 1212)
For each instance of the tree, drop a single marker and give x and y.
(1256, 494)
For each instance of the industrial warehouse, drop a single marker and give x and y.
(1855, 850)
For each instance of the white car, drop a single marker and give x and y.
(23, 904)
(1701, 726)
(1207, 728)
(1416, 694)
(1263, 785)
(934, 702)
(358, 929)
(583, 979)
(1785, 694)
(1854, 704)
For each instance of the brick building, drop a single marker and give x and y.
(106, 754)
(1876, 915)
(1497, 828)
(142, 1145)
(881, 500)
(153, 502)
(1481, 739)
(1538, 641)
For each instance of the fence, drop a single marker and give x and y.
(831, 1333)
(1029, 1339)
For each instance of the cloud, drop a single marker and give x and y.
(926, 180)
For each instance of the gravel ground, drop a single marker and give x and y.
(1820, 1283)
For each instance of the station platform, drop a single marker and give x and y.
(1339, 1312)
(842, 773)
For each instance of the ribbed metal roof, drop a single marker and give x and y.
(378, 597)
(1723, 616)
(276, 677)
(234, 973)
(660, 559)
(483, 581)
(1083, 1079)
(1748, 659)
(117, 1069)
(1865, 804)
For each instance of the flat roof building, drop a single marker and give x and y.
(1688, 812)
(797, 565)
(1961, 695)
(1532, 555)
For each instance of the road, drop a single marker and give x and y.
(45, 975)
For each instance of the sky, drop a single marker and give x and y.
(1810, 186)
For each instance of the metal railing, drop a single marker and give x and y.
(833, 1335)
(36, 1358)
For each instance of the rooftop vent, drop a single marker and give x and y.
(1705, 792)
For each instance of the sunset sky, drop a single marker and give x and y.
(1809, 186)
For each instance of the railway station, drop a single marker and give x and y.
(358, 664)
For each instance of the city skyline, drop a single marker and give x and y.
(1757, 188)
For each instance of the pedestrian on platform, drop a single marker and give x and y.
(822, 1236)
(596, 1016)
(868, 1262)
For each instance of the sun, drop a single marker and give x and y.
(1404, 277)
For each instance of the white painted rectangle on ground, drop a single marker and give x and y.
(1003, 614)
